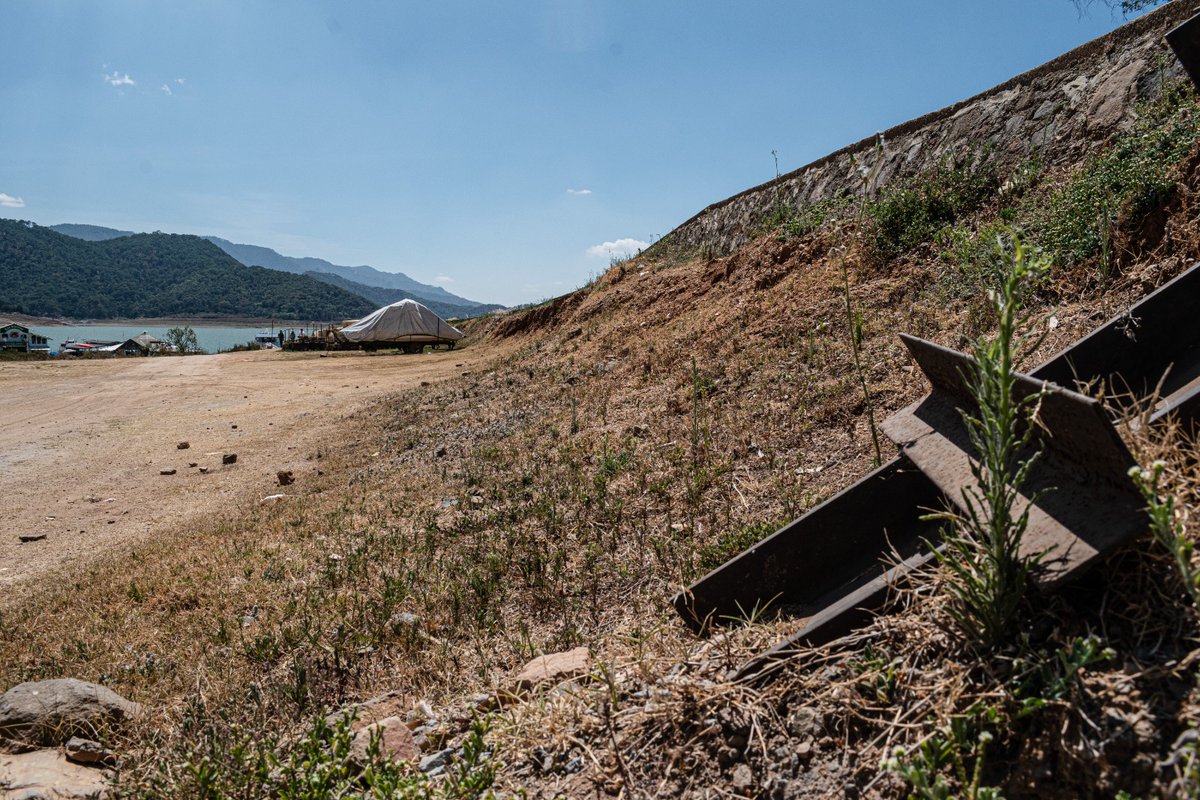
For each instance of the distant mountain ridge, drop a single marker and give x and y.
(256, 256)
(385, 297)
(47, 273)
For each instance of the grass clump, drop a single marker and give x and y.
(1166, 525)
(988, 573)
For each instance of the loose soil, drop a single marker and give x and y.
(83, 443)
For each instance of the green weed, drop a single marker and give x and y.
(987, 572)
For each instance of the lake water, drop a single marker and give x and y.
(213, 338)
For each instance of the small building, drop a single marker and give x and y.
(15, 336)
(141, 345)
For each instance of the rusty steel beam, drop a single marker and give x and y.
(1185, 41)
(1080, 499)
(828, 569)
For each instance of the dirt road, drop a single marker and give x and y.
(82, 444)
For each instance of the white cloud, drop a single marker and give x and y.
(180, 81)
(443, 279)
(8, 201)
(117, 79)
(579, 192)
(621, 247)
(166, 90)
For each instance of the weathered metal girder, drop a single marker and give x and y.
(833, 566)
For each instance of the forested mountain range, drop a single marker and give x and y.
(255, 256)
(46, 273)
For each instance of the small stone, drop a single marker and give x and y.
(743, 779)
(404, 619)
(234, 427)
(85, 751)
(183, 446)
(368, 712)
(229, 458)
(166, 472)
(204, 470)
(285, 478)
(191, 465)
(271, 499)
(395, 741)
(26, 538)
(554, 667)
(804, 722)
(435, 760)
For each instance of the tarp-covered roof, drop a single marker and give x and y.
(406, 319)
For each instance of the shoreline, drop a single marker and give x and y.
(195, 322)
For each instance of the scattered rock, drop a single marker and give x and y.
(285, 478)
(229, 458)
(204, 470)
(48, 775)
(435, 760)
(554, 667)
(50, 712)
(271, 498)
(425, 383)
(26, 538)
(805, 722)
(86, 751)
(395, 741)
(166, 472)
(368, 712)
(404, 619)
(183, 446)
(743, 779)
(191, 464)
(234, 427)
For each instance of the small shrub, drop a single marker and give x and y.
(1166, 525)
(912, 212)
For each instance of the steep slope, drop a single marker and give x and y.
(382, 297)
(151, 275)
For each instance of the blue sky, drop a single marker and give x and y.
(492, 147)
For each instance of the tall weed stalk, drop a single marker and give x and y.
(988, 573)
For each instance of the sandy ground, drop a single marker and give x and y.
(82, 443)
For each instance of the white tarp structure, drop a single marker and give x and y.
(406, 321)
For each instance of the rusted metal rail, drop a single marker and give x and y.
(833, 566)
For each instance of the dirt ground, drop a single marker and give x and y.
(83, 443)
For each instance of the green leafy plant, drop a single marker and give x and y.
(1167, 526)
(1123, 182)
(1045, 678)
(987, 572)
(911, 212)
(956, 753)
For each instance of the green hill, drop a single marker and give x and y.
(152, 275)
